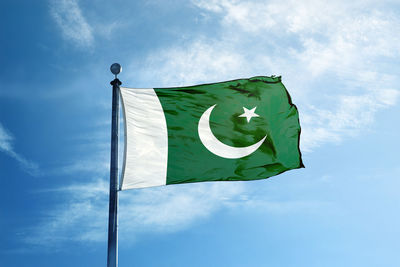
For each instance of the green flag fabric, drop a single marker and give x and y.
(245, 129)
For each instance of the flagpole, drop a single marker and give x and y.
(112, 256)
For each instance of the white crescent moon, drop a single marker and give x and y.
(218, 148)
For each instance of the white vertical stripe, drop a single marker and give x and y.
(146, 139)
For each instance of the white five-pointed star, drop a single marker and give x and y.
(249, 113)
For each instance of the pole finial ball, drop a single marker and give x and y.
(115, 69)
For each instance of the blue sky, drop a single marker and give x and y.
(338, 59)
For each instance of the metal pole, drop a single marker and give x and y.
(112, 256)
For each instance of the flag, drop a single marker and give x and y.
(245, 129)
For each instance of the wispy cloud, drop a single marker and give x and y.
(202, 60)
(172, 208)
(6, 140)
(163, 209)
(338, 58)
(82, 217)
(352, 114)
(74, 26)
(96, 161)
(98, 165)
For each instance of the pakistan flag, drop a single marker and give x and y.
(244, 129)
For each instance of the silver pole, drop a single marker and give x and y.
(112, 256)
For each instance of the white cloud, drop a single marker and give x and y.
(280, 17)
(352, 114)
(82, 218)
(106, 30)
(6, 140)
(92, 150)
(98, 165)
(166, 209)
(198, 62)
(68, 16)
(174, 208)
(95, 162)
(337, 58)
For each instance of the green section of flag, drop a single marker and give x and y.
(190, 161)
